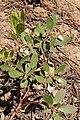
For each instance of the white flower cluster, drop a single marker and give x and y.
(25, 51)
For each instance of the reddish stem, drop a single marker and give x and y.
(20, 104)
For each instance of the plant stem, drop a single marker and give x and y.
(20, 105)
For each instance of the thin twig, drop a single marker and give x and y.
(30, 103)
(74, 4)
(75, 69)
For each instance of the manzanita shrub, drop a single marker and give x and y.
(32, 64)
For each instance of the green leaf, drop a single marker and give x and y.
(38, 45)
(46, 67)
(40, 79)
(49, 80)
(44, 45)
(37, 31)
(45, 104)
(60, 43)
(25, 37)
(19, 28)
(14, 13)
(23, 59)
(23, 34)
(28, 38)
(48, 99)
(68, 109)
(14, 36)
(14, 22)
(52, 40)
(6, 54)
(54, 20)
(27, 68)
(5, 67)
(64, 41)
(24, 83)
(43, 28)
(22, 17)
(59, 96)
(19, 66)
(56, 116)
(15, 73)
(34, 60)
(51, 22)
(11, 54)
(68, 39)
(61, 81)
(60, 68)
(2, 52)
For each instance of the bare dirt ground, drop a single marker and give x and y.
(68, 23)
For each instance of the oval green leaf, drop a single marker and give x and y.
(34, 60)
(15, 73)
(60, 81)
(11, 54)
(19, 28)
(37, 31)
(5, 67)
(68, 39)
(56, 116)
(23, 59)
(46, 67)
(28, 38)
(51, 22)
(48, 99)
(38, 45)
(68, 109)
(40, 79)
(59, 96)
(60, 68)
(19, 66)
(49, 80)
(23, 83)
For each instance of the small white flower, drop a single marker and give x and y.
(26, 52)
(76, 31)
(21, 50)
(60, 37)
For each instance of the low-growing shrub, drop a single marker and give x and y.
(32, 65)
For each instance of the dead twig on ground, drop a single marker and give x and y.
(75, 69)
(74, 4)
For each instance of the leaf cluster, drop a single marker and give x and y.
(32, 63)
